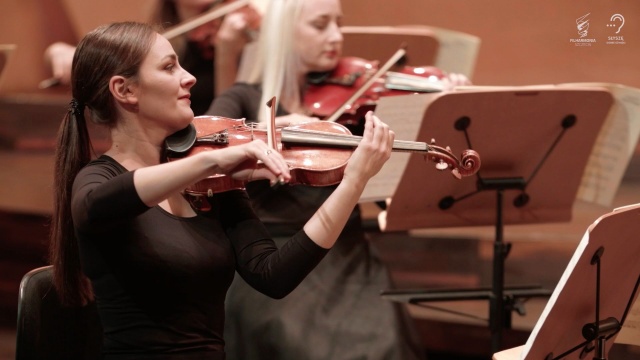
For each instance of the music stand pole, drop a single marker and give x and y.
(499, 315)
(496, 304)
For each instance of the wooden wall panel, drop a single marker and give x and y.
(34, 24)
(526, 41)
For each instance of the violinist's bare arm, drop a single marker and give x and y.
(374, 150)
(235, 32)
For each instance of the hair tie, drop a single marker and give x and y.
(76, 107)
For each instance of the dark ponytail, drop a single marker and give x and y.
(110, 50)
(73, 151)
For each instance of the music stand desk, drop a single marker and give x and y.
(534, 143)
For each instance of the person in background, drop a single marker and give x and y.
(211, 52)
(336, 312)
(123, 232)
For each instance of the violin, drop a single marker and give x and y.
(316, 152)
(217, 11)
(355, 85)
(202, 29)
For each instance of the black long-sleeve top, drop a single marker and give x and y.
(160, 280)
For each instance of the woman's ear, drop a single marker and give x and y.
(121, 90)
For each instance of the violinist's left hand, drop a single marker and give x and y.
(451, 80)
(372, 152)
(236, 30)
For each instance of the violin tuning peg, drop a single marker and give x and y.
(441, 165)
(433, 141)
(448, 149)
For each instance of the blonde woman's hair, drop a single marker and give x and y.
(276, 62)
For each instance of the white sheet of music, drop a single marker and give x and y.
(403, 114)
(614, 147)
(609, 158)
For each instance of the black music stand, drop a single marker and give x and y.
(534, 143)
(594, 295)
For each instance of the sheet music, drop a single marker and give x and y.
(403, 114)
(614, 146)
(607, 163)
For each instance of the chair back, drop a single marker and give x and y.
(449, 50)
(381, 42)
(48, 330)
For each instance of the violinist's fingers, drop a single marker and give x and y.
(233, 30)
(456, 79)
(237, 21)
(368, 126)
(274, 161)
(374, 150)
(380, 133)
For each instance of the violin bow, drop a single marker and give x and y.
(210, 15)
(383, 69)
(271, 126)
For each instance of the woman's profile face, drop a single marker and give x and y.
(163, 87)
(318, 39)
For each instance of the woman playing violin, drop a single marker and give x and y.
(339, 301)
(210, 52)
(124, 235)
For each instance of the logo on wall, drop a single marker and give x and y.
(616, 23)
(582, 25)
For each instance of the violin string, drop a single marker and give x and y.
(328, 138)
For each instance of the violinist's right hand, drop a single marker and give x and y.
(239, 162)
(59, 56)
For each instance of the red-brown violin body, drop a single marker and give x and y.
(308, 164)
(326, 94)
(316, 152)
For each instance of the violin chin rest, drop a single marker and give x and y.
(181, 141)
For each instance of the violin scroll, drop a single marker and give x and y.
(468, 165)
